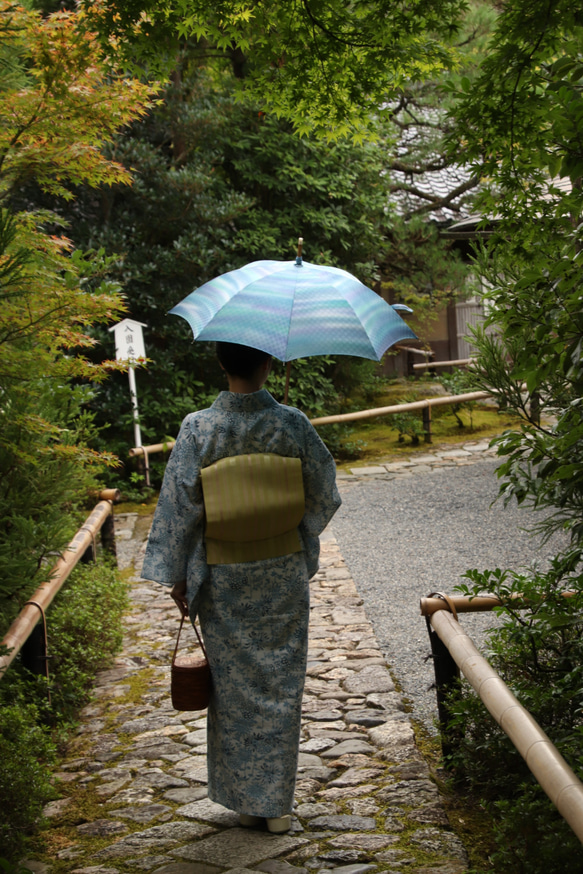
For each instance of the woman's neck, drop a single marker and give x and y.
(247, 385)
(241, 386)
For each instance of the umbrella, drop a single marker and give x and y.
(294, 309)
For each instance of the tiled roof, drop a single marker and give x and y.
(435, 184)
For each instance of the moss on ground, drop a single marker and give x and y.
(467, 817)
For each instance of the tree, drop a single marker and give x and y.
(58, 106)
(522, 123)
(528, 108)
(430, 187)
(217, 184)
(327, 67)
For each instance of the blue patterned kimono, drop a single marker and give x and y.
(254, 615)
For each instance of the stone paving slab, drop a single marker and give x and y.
(133, 786)
(466, 453)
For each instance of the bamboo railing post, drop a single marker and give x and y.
(89, 555)
(426, 412)
(534, 407)
(33, 653)
(446, 676)
(108, 535)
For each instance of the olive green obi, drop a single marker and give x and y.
(253, 506)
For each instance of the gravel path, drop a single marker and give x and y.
(417, 533)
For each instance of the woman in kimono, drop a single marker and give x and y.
(251, 596)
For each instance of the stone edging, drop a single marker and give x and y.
(467, 453)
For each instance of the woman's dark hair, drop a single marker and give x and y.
(241, 361)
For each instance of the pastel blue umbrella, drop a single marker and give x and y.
(293, 309)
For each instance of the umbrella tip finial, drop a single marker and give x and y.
(299, 255)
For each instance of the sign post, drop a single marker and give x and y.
(129, 347)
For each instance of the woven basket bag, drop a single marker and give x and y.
(190, 678)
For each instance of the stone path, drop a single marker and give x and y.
(466, 453)
(133, 788)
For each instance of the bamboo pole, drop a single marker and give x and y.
(413, 350)
(462, 603)
(457, 362)
(475, 604)
(350, 417)
(401, 408)
(551, 771)
(23, 625)
(109, 495)
(155, 447)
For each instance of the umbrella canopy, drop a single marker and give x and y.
(293, 309)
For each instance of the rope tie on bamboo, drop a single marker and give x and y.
(91, 531)
(448, 600)
(46, 656)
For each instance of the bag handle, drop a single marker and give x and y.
(183, 617)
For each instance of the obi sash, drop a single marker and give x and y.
(253, 506)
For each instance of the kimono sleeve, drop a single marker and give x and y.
(177, 528)
(321, 494)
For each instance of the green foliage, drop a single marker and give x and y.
(535, 367)
(47, 463)
(457, 383)
(519, 124)
(419, 267)
(538, 651)
(13, 867)
(337, 438)
(408, 425)
(58, 107)
(55, 93)
(326, 67)
(218, 184)
(358, 381)
(25, 753)
(84, 632)
(310, 388)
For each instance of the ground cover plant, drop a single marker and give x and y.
(389, 437)
(84, 633)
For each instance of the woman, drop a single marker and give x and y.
(253, 613)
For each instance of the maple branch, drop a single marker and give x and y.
(435, 202)
(418, 169)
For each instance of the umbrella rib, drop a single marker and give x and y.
(358, 317)
(298, 267)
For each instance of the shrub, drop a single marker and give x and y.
(337, 439)
(84, 631)
(538, 651)
(26, 752)
(408, 425)
(457, 383)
